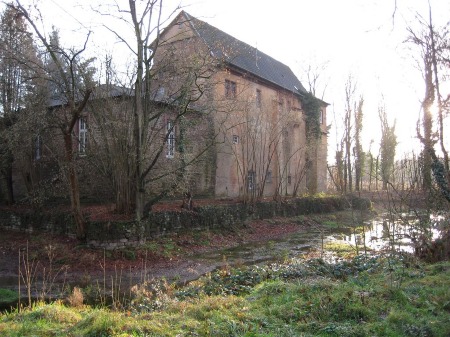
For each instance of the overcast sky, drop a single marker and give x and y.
(362, 38)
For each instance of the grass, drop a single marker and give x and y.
(164, 247)
(7, 296)
(362, 297)
(332, 224)
(343, 250)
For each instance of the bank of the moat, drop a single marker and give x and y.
(113, 234)
(177, 255)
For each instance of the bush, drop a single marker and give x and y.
(76, 299)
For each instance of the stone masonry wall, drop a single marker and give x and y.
(119, 234)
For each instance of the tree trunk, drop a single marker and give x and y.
(9, 185)
(440, 104)
(340, 174)
(74, 189)
(426, 182)
(377, 164)
(138, 114)
(6, 174)
(349, 176)
(357, 177)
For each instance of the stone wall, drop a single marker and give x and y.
(54, 222)
(118, 234)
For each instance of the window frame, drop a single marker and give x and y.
(82, 135)
(230, 89)
(170, 139)
(280, 106)
(269, 177)
(37, 149)
(251, 180)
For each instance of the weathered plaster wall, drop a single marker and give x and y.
(271, 137)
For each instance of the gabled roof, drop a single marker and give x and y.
(243, 56)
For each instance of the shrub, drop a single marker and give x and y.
(76, 299)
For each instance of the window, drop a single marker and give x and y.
(230, 89)
(289, 179)
(268, 176)
(235, 139)
(160, 93)
(251, 180)
(82, 135)
(321, 116)
(170, 139)
(280, 106)
(37, 148)
(258, 98)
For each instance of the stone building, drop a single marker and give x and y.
(262, 147)
(243, 126)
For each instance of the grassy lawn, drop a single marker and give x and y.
(361, 297)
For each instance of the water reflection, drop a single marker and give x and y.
(398, 232)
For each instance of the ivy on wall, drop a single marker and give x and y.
(311, 107)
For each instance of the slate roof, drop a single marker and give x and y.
(111, 90)
(100, 91)
(245, 57)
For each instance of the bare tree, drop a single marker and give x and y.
(313, 76)
(387, 147)
(359, 153)
(66, 71)
(111, 142)
(350, 89)
(434, 47)
(167, 87)
(266, 145)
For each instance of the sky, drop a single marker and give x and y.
(364, 39)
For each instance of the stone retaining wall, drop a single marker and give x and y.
(118, 234)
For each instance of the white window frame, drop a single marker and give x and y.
(82, 135)
(251, 180)
(170, 133)
(161, 92)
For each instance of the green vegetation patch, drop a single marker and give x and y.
(343, 250)
(361, 297)
(332, 224)
(8, 296)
